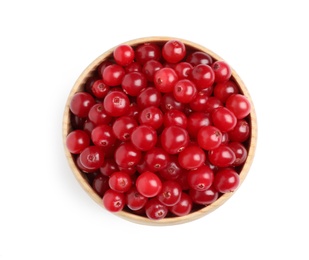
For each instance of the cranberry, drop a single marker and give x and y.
(183, 206)
(209, 137)
(241, 131)
(224, 89)
(205, 197)
(151, 116)
(223, 156)
(195, 121)
(150, 68)
(175, 117)
(103, 136)
(203, 76)
(133, 83)
(239, 105)
(170, 193)
(133, 67)
(123, 54)
(199, 57)
(109, 167)
(183, 70)
(165, 79)
(98, 115)
(174, 139)
(173, 170)
(240, 153)
(226, 180)
(120, 181)
(92, 157)
(168, 102)
(184, 91)
(113, 201)
(123, 127)
(127, 155)
(100, 184)
(191, 157)
(99, 88)
(155, 209)
(173, 51)
(113, 75)
(116, 103)
(201, 178)
(223, 118)
(222, 71)
(156, 159)
(81, 103)
(135, 200)
(148, 184)
(144, 137)
(149, 97)
(77, 141)
(146, 52)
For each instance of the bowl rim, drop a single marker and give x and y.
(141, 219)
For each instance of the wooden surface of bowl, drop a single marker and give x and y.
(80, 176)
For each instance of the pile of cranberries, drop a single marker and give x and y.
(160, 129)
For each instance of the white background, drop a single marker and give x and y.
(45, 45)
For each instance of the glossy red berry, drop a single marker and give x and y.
(222, 71)
(135, 200)
(113, 201)
(123, 127)
(151, 116)
(199, 57)
(201, 178)
(183, 70)
(240, 152)
(120, 181)
(103, 136)
(205, 197)
(168, 102)
(98, 115)
(113, 75)
(133, 83)
(146, 52)
(173, 51)
(99, 88)
(109, 167)
(127, 155)
(224, 119)
(123, 54)
(144, 137)
(150, 68)
(223, 156)
(170, 193)
(209, 137)
(173, 170)
(239, 105)
(156, 159)
(116, 103)
(174, 139)
(149, 97)
(196, 120)
(77, 141)
(175, 117)
(165, 80)
(81, 103)
(155, 210)
(92, 157)
(184, 91)
(203, 76)
(148, 184)
(100, 184)
(241, 131)
(183, 206)
(223, 90)
(226, 180)
(191, 157)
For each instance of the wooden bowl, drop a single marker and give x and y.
(82, 179)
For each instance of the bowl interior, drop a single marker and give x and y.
(82, 178)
